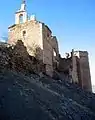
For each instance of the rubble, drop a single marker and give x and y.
(42, 98)
(17, 58)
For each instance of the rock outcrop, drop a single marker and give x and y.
(17, 58)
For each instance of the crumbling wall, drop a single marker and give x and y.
(74, 67)
(65, 68)
(64, 65)
(17, 58)
(85, 71)
(77, 67)
(81, 69)
(47, 50)
(55, 48)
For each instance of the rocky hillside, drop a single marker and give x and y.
(42, 98)
(16, 58)
(34, 96)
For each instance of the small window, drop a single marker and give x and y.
(24, 34)
(21, 18)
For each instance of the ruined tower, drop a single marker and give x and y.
(77, 68)
(81, 69)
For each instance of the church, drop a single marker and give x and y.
(35, 35)
(40, 43)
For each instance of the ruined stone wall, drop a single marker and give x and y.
(47, 50)
(64, 64)
(30, 33)
(85, 71)
(54, 43)
(74, 67)
(81, 69)
(77, 66)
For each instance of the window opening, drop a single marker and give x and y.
(24, 34)
(21, 18)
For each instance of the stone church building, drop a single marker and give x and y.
(36, 34)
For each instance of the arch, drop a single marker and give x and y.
(21, 18)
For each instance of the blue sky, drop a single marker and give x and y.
(72, 21)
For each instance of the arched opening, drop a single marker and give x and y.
(20, 18)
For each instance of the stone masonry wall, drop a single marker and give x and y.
(36, 35)
(47, 50)
(85, 71)
(54, 43)
(81, 69)
(74, 67)
(31, 38)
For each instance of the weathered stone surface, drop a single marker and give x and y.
(77, 67)
(81, 69)
(36, 34)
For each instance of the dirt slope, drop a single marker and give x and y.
(42, 98)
